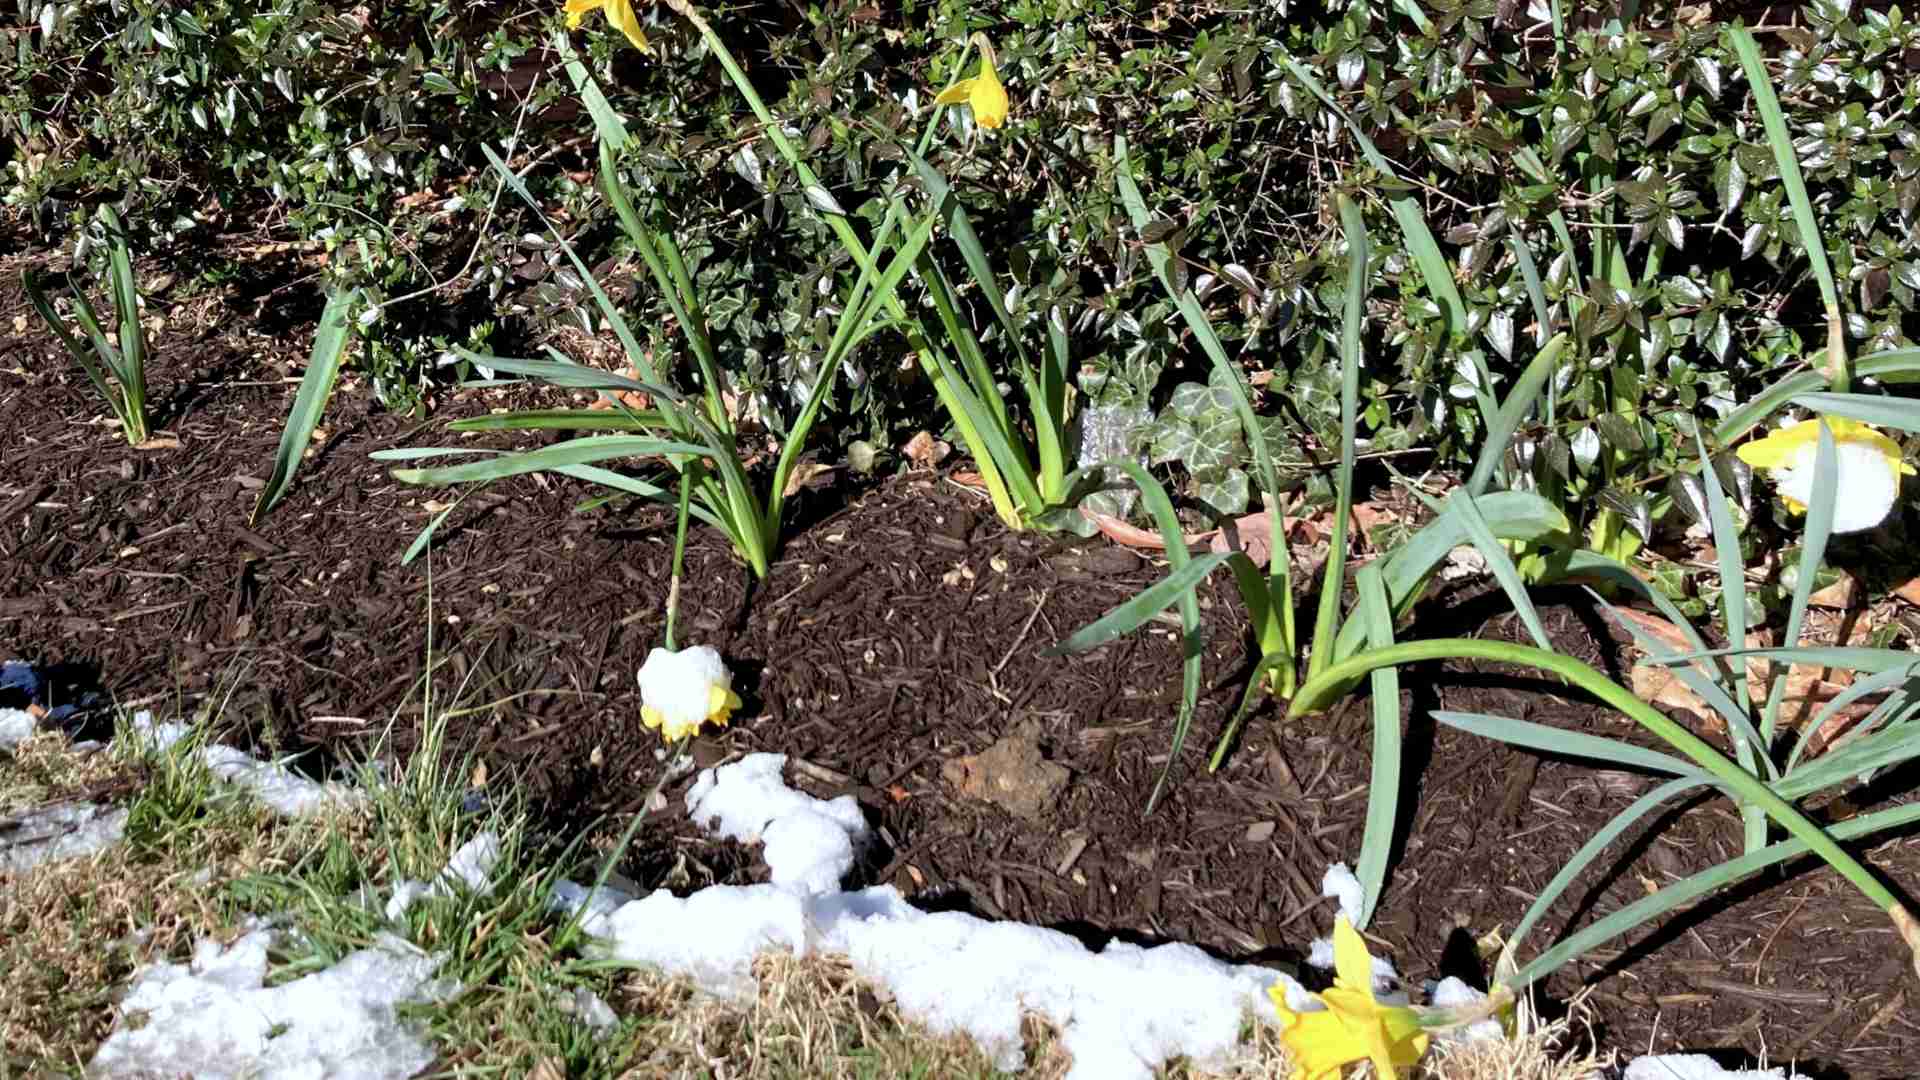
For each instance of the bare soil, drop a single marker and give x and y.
(897, 652)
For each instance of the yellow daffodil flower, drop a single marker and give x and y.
(983, 93)
(1867, 469)
(681, 692)
(619, 13)
(1354, 1026)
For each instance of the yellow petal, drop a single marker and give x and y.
(1319, 1045)
(1782, 447)
(1352, 967)
(620, 13)
(988, 97)
(957, 94)
(577, 10)
(651, 717)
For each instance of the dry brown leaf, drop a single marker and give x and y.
(923, 449)
(802, 473)
(1910, 592)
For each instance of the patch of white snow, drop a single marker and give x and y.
(1693, 1067)
(810, 844)
(64, 831)
(16, 726)
(214, 1018)
(1340, 884)
(1452, 993)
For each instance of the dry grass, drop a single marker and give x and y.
(72, 931)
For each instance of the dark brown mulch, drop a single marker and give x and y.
(901, 629)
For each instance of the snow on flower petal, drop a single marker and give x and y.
(1867, 468)
(619, 14)
(680, 692)
(1354, 1025)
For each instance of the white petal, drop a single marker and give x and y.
(1867, 484)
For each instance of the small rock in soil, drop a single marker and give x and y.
(1011, 774)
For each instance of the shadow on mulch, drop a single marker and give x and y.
(901, 628)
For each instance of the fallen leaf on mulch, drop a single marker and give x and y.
(1011, 774)
(924, 449)
(632, 399)
(1255, 533)
(1808, 686)
(1910, 592)
(159, 442)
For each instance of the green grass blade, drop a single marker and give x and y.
(1741, 782)
(1333, 581)
(1434, 269)
(1511, 515)
(1536, 291)
(1513, 412)
(96, 374)
(1893, 365)
(1860, 689)
(1544, 739)
(1130, 616)
(1787, 159)
(1178, 587)
(1733, 611)
(607, 124)
(1900, 414)
(581, 451)
(600, 298)
(1851, 657)
(562, 420)
(1702, 884)
(330, 340)
(1462, 505)
(132, 371)
(1813, 548)
(1589, 851)
(1383, 787)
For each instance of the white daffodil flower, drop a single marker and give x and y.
(680, 692)
(1867, 469)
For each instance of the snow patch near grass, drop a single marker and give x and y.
(1121, 1011)
(1695, 1067)
(271, 782)
(65, 831)
(215, 1018)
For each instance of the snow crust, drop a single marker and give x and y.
(270, 782)
(215, 1019)
(64, 831)
(16, 726)
(1695, 1067)
(809, 844)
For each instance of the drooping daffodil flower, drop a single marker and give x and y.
(1354, 1026)
(681, 692)
(619, 13)
(983, 93)
(1867, 469)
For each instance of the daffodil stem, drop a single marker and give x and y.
(567, 932)
(679, 550)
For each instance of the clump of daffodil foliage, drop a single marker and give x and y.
(1867, 469)
(683, 691)
(1354, 1025)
